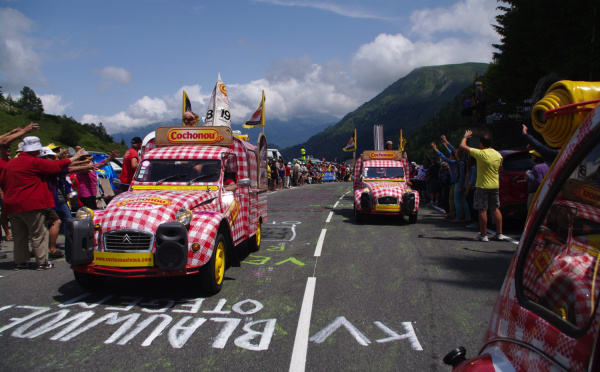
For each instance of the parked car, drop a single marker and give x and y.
(547, 314)
(274, 154)
(513, 182)
(117, 165)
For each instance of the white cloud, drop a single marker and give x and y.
(472, 17)
(148, 110)
(297, 87)
(20, 64)
(344, 9)
(112, 74)
(144, 111)
(390, 57)
(294, 88)
(53, 105)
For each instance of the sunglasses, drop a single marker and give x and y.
(189, 119)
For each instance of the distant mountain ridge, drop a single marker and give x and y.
(407, 104)
(279, 132)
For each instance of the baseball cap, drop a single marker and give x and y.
(52, 146)
(536, 153)
(135, 140)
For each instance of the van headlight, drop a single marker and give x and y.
(367, 190)
(184, 216)
(84, 213)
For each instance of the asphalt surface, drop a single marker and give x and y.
(323, 293)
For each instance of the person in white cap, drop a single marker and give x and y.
(5, 141)
(26, 197)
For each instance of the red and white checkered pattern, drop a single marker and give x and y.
(203, 230)
(383, 187)
(384, 164)
(512, 321)
(146, 210)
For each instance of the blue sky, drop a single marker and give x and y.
(125, 63)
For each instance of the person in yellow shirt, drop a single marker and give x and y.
(487, 184)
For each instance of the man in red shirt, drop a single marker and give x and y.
(288, 173)
(5, 141)
(131, 160)
(26, 197)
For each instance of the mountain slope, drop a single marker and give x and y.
(407, 104)
(282, 133)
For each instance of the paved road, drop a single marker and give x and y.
(322, 294)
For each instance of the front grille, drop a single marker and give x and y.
(387, 200)
(128, 240)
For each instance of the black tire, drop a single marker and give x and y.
(212, 274)
(358, 217)
(413, 218)
(254, 241)
(89, 282)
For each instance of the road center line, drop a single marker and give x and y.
(298, 363)
(320, 243)
(329, 217)
(336, 204)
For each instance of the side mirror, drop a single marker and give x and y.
(244, 182)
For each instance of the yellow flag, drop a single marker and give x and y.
(187, 104)
(258, 117)
(402, 141)
(351, 146)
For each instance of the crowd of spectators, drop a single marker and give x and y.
(35, 185)
(34, 191)
(296, 173)
(464, 182)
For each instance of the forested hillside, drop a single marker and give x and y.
(407, 104)
(60, 130)
(541, 42)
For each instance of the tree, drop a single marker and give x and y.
(69, 135)
(29, 101)
(539, 38)
(1, 94)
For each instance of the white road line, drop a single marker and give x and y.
(320, 243)
(336, 204)
(329, 217)
(298, 363)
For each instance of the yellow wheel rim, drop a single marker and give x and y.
(258, 235)
(220, 262)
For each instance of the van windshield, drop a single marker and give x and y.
(161, 171)
(385, 173)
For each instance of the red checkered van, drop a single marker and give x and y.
(197, 195)
(381, 186)
(547, 316)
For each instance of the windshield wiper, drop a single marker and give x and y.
(203, 176)
(171, 177)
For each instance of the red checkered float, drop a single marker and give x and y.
(381, 186)
(547, 315)
(180, 215)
